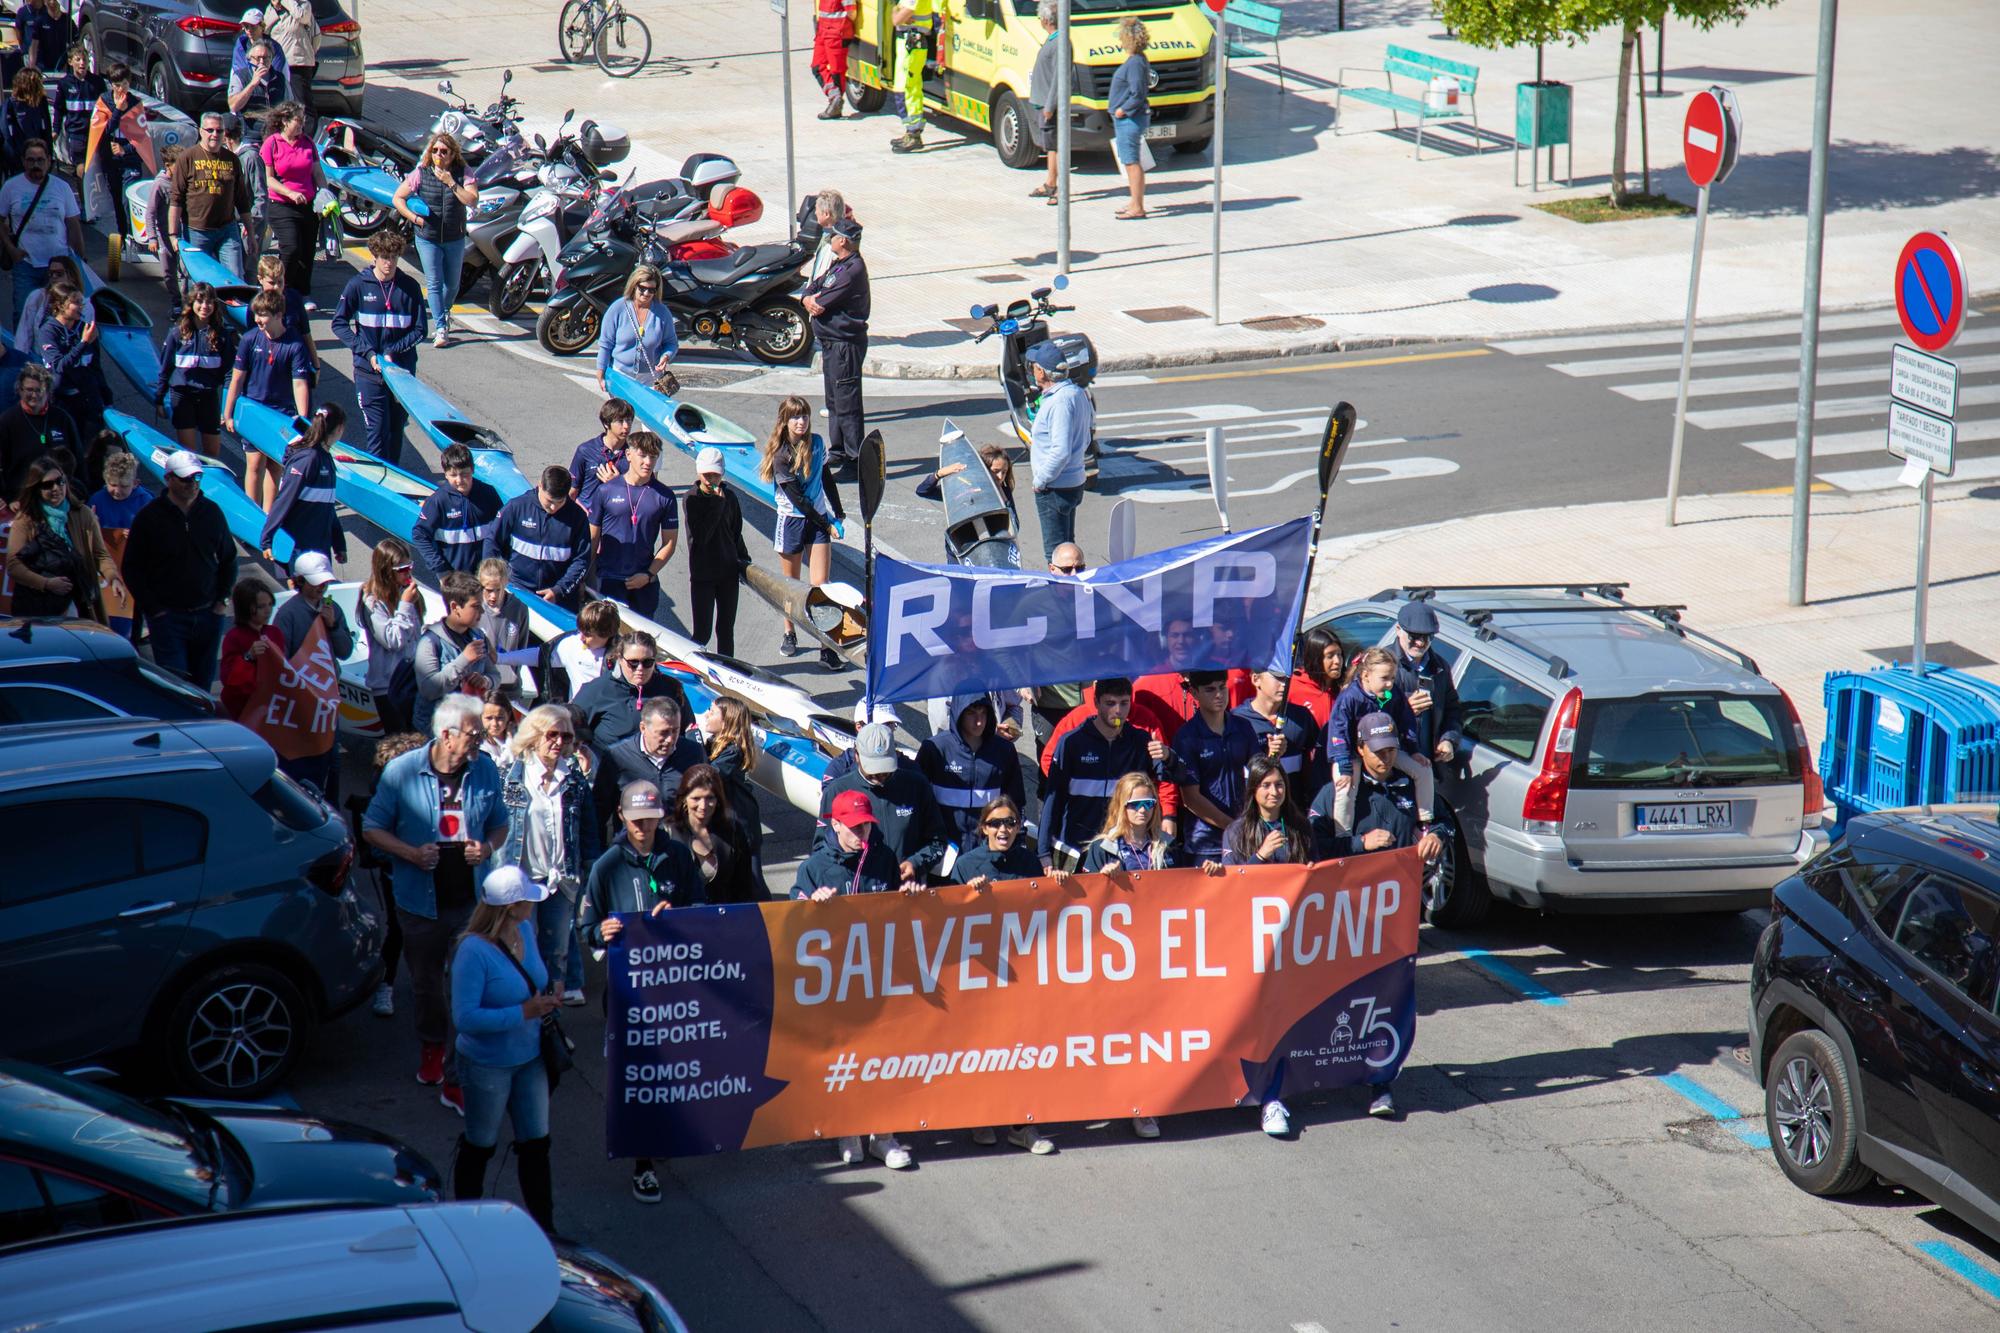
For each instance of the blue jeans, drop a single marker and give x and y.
(441, 268)
(1056, 508)
(1127, 133)
(225, 244)
(555, 932)
(186, 642)
(27, 279)
(521, 1093)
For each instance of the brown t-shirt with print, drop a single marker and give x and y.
(210, 189)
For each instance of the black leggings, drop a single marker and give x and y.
(715, 607)
(118, 170)
(295, 227)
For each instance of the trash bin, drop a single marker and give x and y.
(1894, 738)
(1541, 120)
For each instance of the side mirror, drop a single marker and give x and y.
(506, 77)
(541, 144)
(444, 86)
(980, 311)
(568, 116)
(1061, 281)
(607, 175)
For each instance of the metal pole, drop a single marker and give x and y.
(1687, 357)
(1829, 13)
(1066, 92)
(1660, 61)
(785, 55)
(1920, 634)
(1215, 221)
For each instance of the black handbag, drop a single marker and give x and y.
(558, 1051)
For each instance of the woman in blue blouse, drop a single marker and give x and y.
(638, 335)
(1131, 113)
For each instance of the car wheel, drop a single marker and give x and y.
(1010, 133)
(1455, 895)
(864, 99)
(1189, 147)
(236, 1032)
(1812, 1116)
(160, 82)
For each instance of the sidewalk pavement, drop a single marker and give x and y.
(1343, 241)
(1728, 562)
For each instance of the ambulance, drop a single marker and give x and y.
(986, 54)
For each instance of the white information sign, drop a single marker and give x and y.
(1923, 380)
(1920, 437)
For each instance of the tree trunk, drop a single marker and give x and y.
(1620, 121)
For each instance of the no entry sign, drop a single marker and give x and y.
(1710, 136)
(1930, 291)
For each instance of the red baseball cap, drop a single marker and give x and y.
(853, 809)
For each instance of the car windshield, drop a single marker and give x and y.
(68, 1119)
(1684, 740)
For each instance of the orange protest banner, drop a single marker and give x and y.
(296, 704)
(1110, 995)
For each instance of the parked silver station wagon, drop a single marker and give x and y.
(1616, 759)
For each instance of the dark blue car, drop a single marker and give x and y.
(1873, 1022)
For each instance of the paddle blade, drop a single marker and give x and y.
(873, 477)
(1218, 475)
(1333, 448)
(1122, 542)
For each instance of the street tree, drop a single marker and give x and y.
(1496, 24)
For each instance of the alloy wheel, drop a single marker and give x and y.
(1803, 1108)
(239, 1034)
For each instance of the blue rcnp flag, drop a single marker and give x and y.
(940, 630)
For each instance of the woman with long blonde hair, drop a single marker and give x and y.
(552, 829)
(1132, 837)
(638, 335)
(807, 504)
(442, 181)
(733, 750)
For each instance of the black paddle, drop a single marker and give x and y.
(1332, 452)
(870, 479)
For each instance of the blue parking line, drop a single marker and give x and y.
(1744, 1127)
(1963, 1264)
(1513, 977)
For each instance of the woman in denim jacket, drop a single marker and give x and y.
(552, 830)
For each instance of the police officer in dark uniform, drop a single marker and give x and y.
(838, 302)
(1385, 818)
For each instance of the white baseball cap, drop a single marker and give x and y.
(182, 463)
(884, 713)
(510, 884)
(252, 16)
(314, 568)
(707, 461)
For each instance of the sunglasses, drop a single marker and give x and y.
(647, 287)
(37, 161)
(1144, 805)
(1003, 823)
(559, 735)
(53, 483)
(639, 663)
(1069, 569)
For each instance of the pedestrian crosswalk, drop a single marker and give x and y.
(1744, 388)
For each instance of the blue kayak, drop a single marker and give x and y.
(691, 429)
(218, 482)
(125, 332)
(234, 293)
(444, 425)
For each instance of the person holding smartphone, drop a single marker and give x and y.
(392, 615)
(1424, 677)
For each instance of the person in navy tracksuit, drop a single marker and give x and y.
(456, 519)
(381, 318)
(970, 766)
(76, 94)
(634, 526)
(544, 537)
(1084, 772)
(68, 346)
(273, 367)
(194, 367)
(304, 507)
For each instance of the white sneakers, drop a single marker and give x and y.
(1029, 1138)
(893, 1154)
(851, 1153)
(1277, 1120)
(1145, 1127)
(574, 999)
(385, 1001)
(1384, 1104)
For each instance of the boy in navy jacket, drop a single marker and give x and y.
(381, 317)
(545, 540)
(456, 519)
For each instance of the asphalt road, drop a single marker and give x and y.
(1562, 1163)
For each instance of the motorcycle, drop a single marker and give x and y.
(1021, 325)
(743, 300)
(366, 164)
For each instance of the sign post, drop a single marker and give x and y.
(1215, 224)
(1923, 393)
(1710, 138)
(1068, 95)
(782, 8)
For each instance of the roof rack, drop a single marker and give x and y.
(1667, 615)
(1423, 592)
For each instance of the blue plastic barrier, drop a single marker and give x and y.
(1896, 739)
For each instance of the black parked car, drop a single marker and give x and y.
(178, 50)
(78, 1157)
(79, 671)
(1872, 1012)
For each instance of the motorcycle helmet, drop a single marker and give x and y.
(704, 171)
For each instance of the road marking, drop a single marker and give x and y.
(1410, 359)
(1818, 488)
(1785, 382)
(1736, 1122)
(1309, 1328)
(1861, 441)
(1512, 977)
(1763, 328)
(1747, 356)
(1882, 478)
(1773, 414)
(1960, 1263)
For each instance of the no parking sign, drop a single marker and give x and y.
(1930, 291)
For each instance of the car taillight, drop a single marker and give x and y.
(1548, 795)
(329, 873)
(1814, 811)
(206, 27)
(343, 28)
(195, 76)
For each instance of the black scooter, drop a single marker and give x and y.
(743, 300)
(1021, 325)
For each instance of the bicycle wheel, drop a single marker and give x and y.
(623, 45)
(574, 29)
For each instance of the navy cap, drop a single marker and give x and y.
(1417, 618)
(1046, 355)
(1377, 731)
(847, 227)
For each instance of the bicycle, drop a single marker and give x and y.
(619, 42)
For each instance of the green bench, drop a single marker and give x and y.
(1263, 20)
(1423, 67)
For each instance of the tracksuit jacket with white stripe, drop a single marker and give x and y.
(1082, 776)
(386, 319)
(200, 364)
(304, 507)
(451, 529)
(542, 550)
(963, 779)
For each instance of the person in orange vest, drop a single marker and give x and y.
(833, 29)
